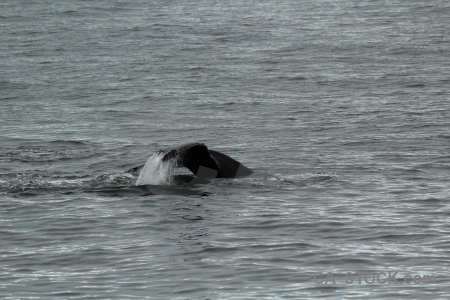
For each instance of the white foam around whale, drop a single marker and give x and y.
(156, 171)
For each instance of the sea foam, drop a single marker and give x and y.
(156, 171)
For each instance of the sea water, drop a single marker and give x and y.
(340, 107)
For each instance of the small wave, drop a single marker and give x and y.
(31, 183)
(53, 151)
(307, 179)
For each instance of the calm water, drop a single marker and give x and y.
(341, 108)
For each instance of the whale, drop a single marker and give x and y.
(202, 162)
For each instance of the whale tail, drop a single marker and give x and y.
(203, 162)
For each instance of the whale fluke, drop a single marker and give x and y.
(202, 162)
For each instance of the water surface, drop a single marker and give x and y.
(341, 108)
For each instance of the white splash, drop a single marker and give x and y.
(156, 171)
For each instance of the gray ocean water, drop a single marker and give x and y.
(341, 108)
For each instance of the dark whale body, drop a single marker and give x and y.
(203, 162)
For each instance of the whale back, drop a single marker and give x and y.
(203, 162)
(192, 156)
